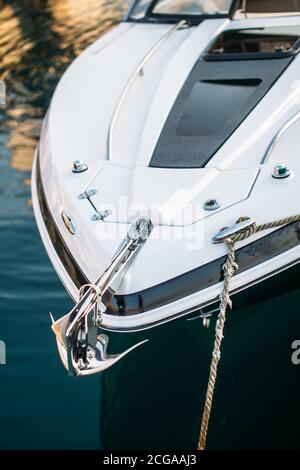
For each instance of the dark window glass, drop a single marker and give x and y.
(272, 6)
(273, 41)
(192, 7)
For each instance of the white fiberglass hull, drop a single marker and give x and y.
(117, 134)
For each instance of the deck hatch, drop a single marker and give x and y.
(215, 99)
(233, 94)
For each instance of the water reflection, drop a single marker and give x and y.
(41, 407)
(38, 39)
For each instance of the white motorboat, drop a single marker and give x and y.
(172, 126)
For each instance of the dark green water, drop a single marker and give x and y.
(40, 406)
(154, 398)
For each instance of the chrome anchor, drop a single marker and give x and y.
(82, 350)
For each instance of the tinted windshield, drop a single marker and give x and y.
(144, 8)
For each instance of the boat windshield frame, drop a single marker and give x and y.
(150, 17)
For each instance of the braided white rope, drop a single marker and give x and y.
(229, 268)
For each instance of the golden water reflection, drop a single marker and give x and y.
(38, 39)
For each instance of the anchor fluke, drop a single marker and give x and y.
(98, 359)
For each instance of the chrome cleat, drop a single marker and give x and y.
(229, 232)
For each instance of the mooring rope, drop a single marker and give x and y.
(229, 268)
